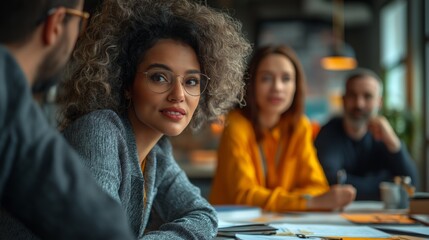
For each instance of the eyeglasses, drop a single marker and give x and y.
(161, 80)
(74, 12)
(84, 16)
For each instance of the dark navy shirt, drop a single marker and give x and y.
(366, 161)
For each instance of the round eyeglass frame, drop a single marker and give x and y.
(202, 90)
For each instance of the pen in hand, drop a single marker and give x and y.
(341, 177)
(341, 180)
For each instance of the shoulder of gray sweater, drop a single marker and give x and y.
(99, 120)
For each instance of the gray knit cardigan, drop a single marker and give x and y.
(174, 208)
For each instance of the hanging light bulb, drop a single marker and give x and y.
(342, 56)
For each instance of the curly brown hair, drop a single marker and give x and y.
(106, 58)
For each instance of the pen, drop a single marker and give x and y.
(341, 177)
(300, 235)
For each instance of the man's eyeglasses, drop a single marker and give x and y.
(74, 12)
(162, 80)
(84, 16)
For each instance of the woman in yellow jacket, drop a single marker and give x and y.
(266, 156)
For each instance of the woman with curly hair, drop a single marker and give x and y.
(144, 71)
(266, 149)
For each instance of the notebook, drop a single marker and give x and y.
(250, 229)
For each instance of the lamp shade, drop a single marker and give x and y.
(338, 63)
(342, 56)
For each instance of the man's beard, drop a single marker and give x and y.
(44, 85)
(358, 117)
(50, 70)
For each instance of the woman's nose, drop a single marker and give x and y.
(277, 83)
(177, 91)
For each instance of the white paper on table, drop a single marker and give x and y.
(311, 218)
(222, 223)
(270, 237)
(330, 230)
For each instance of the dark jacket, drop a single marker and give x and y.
(366, 161)
(42, 181)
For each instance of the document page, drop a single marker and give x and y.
(321, 230)
(315, 231)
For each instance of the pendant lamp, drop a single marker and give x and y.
(342, 55)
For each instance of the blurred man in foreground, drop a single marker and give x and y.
(42, 183)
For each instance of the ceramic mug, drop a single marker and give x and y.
(390, 195)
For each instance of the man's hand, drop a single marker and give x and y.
(382, 131)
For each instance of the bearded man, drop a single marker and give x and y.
(43, 186)
(361, 142)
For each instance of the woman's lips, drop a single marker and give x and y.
(275, 100)
(173, 113)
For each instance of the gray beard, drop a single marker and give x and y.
(357, 123)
